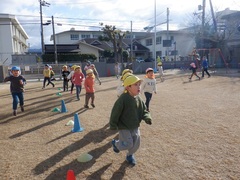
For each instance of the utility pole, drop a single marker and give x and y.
(155, 35)
(54, 42)
(203, 22)
(131, 53)
(167, 31)
(42, 3)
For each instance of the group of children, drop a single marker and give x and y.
(128, 110)
(77, 78)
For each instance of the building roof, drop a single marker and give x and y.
(15, 22)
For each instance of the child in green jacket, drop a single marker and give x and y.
(127, 113)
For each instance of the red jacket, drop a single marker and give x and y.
(78, 78)
(89, 84)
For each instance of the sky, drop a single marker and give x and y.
(87, 14)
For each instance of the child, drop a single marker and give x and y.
(69, 77)
(51, 75)
(77, 78)
(16, 88)
(193, 67)
(125, 74)
(47, 76)
(149, 86)
(87, 66)
(205, 67)
(89, 86)
(65, 73)
(92, 66)
(160, 71)
(117, 69)
(127, 113)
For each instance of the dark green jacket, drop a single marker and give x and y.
(128, 112)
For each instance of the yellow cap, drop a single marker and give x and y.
(126, 71)
(159, 64)
(75, 67)
(126, 75)
(89, 71)
(130, 80)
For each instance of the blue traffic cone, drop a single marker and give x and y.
(63, 107)
(77, 126)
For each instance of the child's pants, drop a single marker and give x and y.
(78, 91)
(17, 96)
(89, 96)
(129, 140)
(148, 98)
(65, 85)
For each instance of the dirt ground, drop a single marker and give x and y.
(195, 132)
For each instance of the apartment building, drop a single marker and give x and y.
(12, 38)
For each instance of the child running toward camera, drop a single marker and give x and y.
(16, 88)
(149, 86)
(126, 115)
(89, 87)
(77, 78)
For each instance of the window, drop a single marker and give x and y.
(84, 36)
(159, 40)
(74, 37)
(148, 42)
(96, 36)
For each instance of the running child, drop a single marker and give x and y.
(77, 78)
(127, 113)
(16, 88)
(65, 73)
(149, 86)
(89, 87)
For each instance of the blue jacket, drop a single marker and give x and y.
(205, 63)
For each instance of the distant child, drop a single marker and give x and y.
(125, 74)
(69, 77)
(127, 113)
(16, 88)
(65, 73)
(95, 72)
(117, 69)
(87, 66)
(47, 76)
(77, 78)
(89, 87)
(193, 67)
(205, 66)
(149, 86)
(160, 71)
(52, 78)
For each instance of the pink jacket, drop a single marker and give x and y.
(78, 78)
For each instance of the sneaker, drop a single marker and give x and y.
(131, 160)
(115, 149)
(22, 108)
(93, 105)
(53, 85)
(15, 112)
(86, 106)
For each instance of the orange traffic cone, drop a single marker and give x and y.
(108, 73)
(70, 175)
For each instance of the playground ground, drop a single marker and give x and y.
(195, 132)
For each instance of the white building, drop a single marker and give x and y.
(13, 38)
(181, 44)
